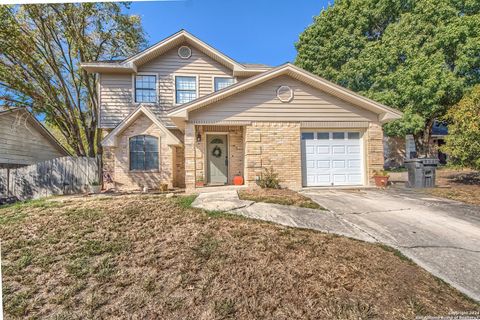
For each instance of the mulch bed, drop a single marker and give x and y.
(279, 196)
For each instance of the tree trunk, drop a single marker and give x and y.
(422, 141)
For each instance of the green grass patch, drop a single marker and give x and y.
(80, 214)
(25, 260)
(185, 201)
(37, 203)
(79, 268)
(105, 269)
(206, 247)
(92, 248)
(225, 309)
(17, 303)
(17, 212)
(396, 253)
(11, 217)
(311, 205)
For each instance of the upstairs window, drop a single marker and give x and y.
(145, 89)
(143, 153)
(220, 82)
(185, 89)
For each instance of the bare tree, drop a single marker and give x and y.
(41, 48)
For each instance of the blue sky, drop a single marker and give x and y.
(261, 31)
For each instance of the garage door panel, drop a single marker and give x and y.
(338, 149)
(311, 179)
(355, 178)
(338, 163)
(323, 150)
(323, 164)
(339, 178)
(353, 149)
(332, 158)
(323, 178)
(354, 164)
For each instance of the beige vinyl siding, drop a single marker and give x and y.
(117, 89)
(170, 64)
(22, 143)
(261, 104)
(116, 98)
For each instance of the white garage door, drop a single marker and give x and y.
(331, 158)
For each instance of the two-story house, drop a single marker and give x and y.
(181, 112)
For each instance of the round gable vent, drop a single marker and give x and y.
(184, 52)
(285, 93)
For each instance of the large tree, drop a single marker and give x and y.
(418, 56)
(42, 47)
(463, 139)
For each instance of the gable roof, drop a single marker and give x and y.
(110, 139)
(385, 113)
(131, 64)
(38, 125)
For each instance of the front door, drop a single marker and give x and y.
(217, 159)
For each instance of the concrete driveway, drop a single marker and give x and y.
(442, 236)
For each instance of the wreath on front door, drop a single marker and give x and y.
(217, 152)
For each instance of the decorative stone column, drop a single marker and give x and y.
(374, 150)
(189, 143)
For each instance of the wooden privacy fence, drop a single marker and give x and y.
(66, 175)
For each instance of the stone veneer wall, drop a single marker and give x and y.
(374, 148)
(272, 144)
(128, 180)
(189, 143)
(108, 163)
(276, 145)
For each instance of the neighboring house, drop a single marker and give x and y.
(24, 140)
(397, 149)
(181, 112)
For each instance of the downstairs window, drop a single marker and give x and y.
(143, 153)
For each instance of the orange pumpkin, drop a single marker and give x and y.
(238, 180)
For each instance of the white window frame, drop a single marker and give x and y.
(157, 91)
(224, 77)
(175, 75)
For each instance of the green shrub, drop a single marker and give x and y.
(269, 179)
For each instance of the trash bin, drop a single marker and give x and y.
(421, 172)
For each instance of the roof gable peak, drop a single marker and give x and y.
(111, 138)
(178, 39)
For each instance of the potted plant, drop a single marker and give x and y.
(199, 183)
(381, 178)
(95, 187)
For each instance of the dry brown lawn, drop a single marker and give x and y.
(457, 184)
(280, 196)
(148, 257)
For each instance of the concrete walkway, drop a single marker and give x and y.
(442, 236)
(320, 220)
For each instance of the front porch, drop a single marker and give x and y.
(214, 155)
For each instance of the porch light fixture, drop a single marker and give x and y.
(199, 137)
